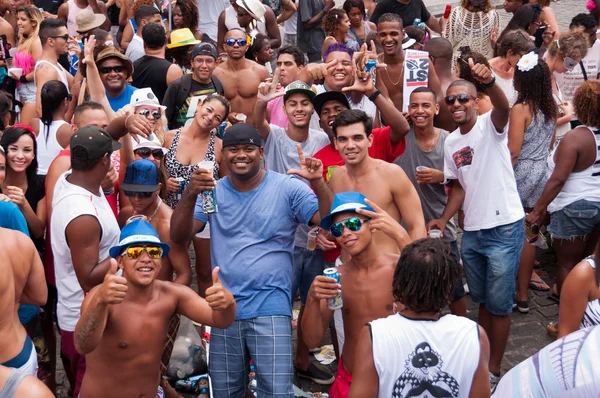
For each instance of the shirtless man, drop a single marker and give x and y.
(240, 76)
(8, 30)
(386, 184)
(22, 282)
(141, 185)
(124, 320)
(366, 279)
(55, 41)
(440, 54)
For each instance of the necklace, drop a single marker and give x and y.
(399, 77)
(155, 210)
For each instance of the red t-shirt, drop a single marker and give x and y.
(382, 149)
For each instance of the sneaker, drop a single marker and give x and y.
(521, 305)
(494, 379)
(316, 375)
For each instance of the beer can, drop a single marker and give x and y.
(181, 189)
(337, 302)
(370, 69)
(209, 202)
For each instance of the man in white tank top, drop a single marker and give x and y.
(418, 352)
(55, 42)
(68, 13)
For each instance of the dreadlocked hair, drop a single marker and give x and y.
(462, 63)
(189, 12)
(332, 20)
(535, 90)
(426, 275)
(587, 103)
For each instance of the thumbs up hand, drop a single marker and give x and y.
(217, 297)
(480, 72)
(114, 288)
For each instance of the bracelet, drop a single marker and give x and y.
(23, 79)
(490, 84)
(127, 118)
(374, 96)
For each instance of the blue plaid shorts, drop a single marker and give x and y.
(268, 342)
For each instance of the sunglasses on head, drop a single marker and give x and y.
(156, 114)
(146, 152)
(134, 252)
(143, 195)
(462, 99)
(105, 70)
(240, 42)
(65, 37)
(353, 224)
(569, 63)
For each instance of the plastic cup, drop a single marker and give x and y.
(241, 117)
(311, 244)
(435, 233)
(421, 168)
(208, 165)
(17, 72)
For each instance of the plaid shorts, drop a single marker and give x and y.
(268, 342)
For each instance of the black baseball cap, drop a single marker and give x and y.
(242, 134)
(204, 49)
(95, 141)
(327, 96)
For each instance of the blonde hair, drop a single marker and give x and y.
(573, 44)
(35, 16)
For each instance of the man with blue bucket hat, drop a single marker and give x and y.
(124, 320)
(365, 279)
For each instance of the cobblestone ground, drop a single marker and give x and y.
(527, 333)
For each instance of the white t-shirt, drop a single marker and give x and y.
(365, 105)
(436, 358)
(481, 161)
(569, 81)
(135, 49)
(69, 202)
(211, 9)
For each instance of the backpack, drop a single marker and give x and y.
(186, 87)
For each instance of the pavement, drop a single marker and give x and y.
(527, 333)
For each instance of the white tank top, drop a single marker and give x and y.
(591, 316)
(47, 145)
(231, 21)
(73, 11)
(59, 69)
(71, 201)
(427, 358)
(580, 185)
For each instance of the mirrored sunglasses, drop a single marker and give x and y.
(353, 224)
(134, 252)
(156, 114)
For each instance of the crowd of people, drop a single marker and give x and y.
(279, 140)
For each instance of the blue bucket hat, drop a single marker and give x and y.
(141, 176)
(138, 231)
(344, 202)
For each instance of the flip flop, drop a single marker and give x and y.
(532, 285)
(555, 297)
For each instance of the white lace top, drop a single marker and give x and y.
(473, 29)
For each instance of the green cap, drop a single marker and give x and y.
(298, 87)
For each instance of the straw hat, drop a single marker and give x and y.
(182, 37)
(86, 20)
(253, 7)
(112, 52)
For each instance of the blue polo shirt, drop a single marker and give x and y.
(120, 101)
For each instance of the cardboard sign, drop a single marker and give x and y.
(416, 72)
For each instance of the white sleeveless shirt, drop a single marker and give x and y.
(47, 145)
(59, 69)
(424, 357)
(74, 10)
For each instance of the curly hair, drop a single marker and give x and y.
(518, 41)
(350, 4)
(586, 102)
(485, 7)
(535, 89)
(189, 12)
(426, 275)
(332, 20)
(573, 44)
(138, 3)
(35, 17)
(464, 72)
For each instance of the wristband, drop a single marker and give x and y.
(23, 79)
(374, 96)
(490, 84)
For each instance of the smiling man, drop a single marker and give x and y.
(124, 320)
(115, 68)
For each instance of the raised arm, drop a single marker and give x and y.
(288, 8)
(184, 223)
(267, 91)
(95, 85)
(272, 28)
(180, 261)
(407, 201)
(316, 317)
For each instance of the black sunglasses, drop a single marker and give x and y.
(156, 114)
(142, 195)
(462, 99)
(146, 152)
(65, 37)
(105, 70)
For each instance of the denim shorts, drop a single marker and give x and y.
(307, 266)
(267, 341)
(27, 92)
(459, 289)
(491, 261)
(575, 220)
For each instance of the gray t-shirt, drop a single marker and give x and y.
(135, 49)
(281, 155)
(433, 196)
(310, 40)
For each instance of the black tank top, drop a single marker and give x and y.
(151, 72)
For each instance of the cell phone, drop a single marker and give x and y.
(447, 11)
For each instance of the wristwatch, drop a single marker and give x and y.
(490, 84)
(374, 96)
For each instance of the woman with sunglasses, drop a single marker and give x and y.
(527, 18)
(562, 56)
(474, 23)
(187, 147)
(509, 50)
(337, 26)
(53, 132)
(29, 49)
(531, 129)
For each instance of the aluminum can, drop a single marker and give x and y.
(370, 68)
(337, 302)
(182, 185)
